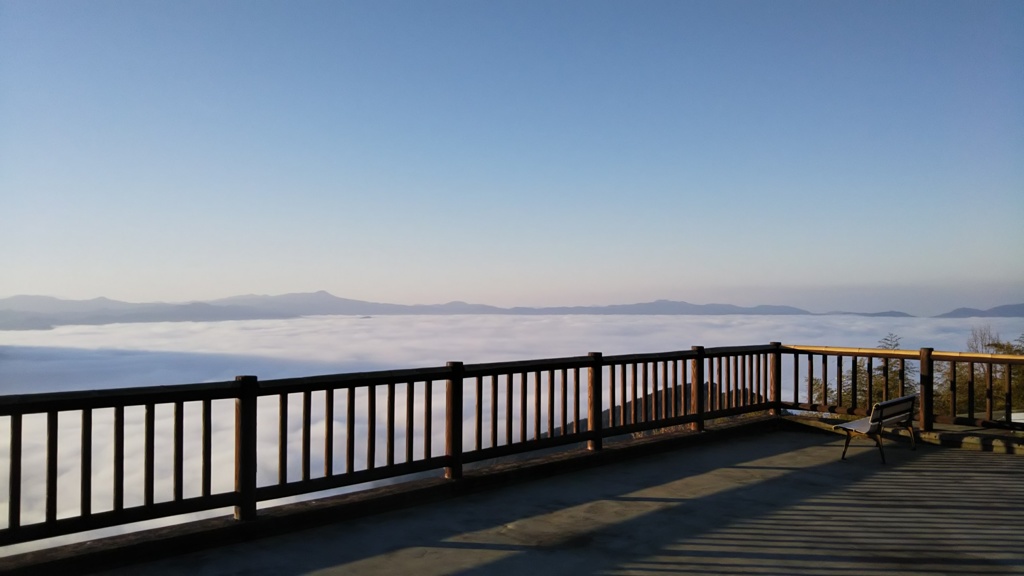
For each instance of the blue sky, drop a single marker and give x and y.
(860, 156)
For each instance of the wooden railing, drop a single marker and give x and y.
(959, 388)
(87, 460)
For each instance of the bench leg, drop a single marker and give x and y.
(878, 440)
(913, 443)
(846, 446)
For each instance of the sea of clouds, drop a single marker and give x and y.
(121, 355)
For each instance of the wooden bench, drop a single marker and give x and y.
(896, 412)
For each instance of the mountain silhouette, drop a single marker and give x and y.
(44, 312)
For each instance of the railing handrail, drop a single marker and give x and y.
(112, 397)
(982, 357)
(845, 351)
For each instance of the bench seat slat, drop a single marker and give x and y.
(862, 426)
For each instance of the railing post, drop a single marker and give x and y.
(453, 422)
(927, 389)
(697, 389)
(776, 379)
(245, 448)
(594, 419)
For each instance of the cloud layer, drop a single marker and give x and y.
(118, 355)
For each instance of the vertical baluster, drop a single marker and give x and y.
(765, 371)
(734, 382)
(622, 394)
(1008, 396)
(644, 394)
(150, 456)
(989, 400)
(523, 381)
(494, 410)
(565, 402)
(824, 379)
(739, 375)
(683, 398)
(633, 385)
(854, 380)
(350, 429)
(903, 377)
(885, 379)
(745, 375)
(870, 400)
(775, 378)
(720, 388)
(952, 388)
(371, 427)
(282, 438)
(14, 488)
(594, 423)
(796, 378)
(611, 398)
(753, 389)
(663, 392)
(307, 408)
(752, 382)
(576, 400)
(726, 387)
(118, 458)
(839, 380)
(551, 402)
(926, 414)
(509, 381)
(329, 432)
(179, 450)
(674, 390)
(428, 418)
(810, 378)
(697, 393)
(410, 424)
(536, 405)
(479, 412)
(389, 449)
(750, 390)
(207, 448)
(85, 497)
(51, 467)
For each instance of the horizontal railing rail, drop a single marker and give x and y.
(79, 461)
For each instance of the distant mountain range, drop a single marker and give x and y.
(45, 312)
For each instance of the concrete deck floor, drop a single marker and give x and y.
(780, 503)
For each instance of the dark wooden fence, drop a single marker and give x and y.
(365, 427)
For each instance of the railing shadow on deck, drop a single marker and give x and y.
(749, 509)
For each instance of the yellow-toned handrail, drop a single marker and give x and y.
(978, 356)
(910, 354)
(839, 350)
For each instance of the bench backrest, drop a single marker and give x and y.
(893, 411)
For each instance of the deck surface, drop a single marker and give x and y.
(779, 503)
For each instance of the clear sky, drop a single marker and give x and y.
(860, 156)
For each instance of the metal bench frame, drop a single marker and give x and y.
(896, 412)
